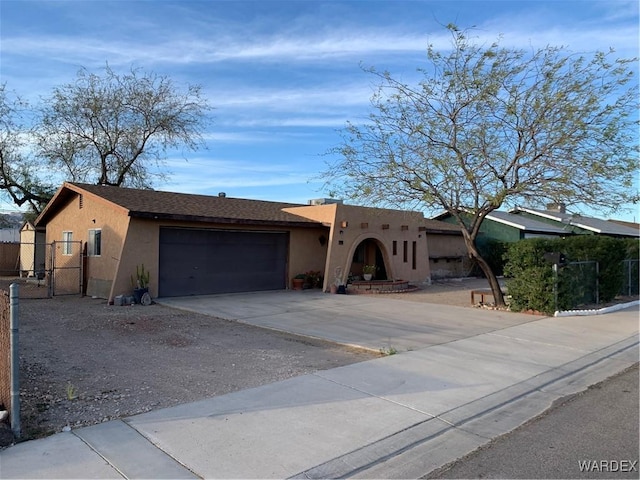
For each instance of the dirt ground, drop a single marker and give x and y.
(83, 361)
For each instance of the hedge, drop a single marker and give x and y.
(530, 279)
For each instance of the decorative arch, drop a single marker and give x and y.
(379, 241)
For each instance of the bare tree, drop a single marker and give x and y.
(21, 177)
(114, 129)
(490, 125)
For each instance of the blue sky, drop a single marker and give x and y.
(283, 76)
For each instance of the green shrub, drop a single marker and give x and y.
(493, 251)
(530, 280)
(529, 277)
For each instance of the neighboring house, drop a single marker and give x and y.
(508, 227)
(627, 224)
(556, 215)
(197, 244)
(32, 250)
(520, 223)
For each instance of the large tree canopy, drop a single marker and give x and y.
(109, 129)
(488, 125)
(112, 129)
(19, 172)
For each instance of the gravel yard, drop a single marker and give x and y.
(85, 362)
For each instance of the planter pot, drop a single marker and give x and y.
(297, 283)
(368, 276)
(138, 293)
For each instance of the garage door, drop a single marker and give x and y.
(200, 262)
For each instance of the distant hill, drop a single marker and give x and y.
(11, 220)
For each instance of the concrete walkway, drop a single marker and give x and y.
(399, 416)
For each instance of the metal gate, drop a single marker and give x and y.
(47, 269)
(65, 277)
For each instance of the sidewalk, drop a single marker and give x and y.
(399, 416)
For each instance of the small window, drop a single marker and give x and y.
(414, 251)
(67, 238)
(94, 245)
(395, 247)
(405, 251)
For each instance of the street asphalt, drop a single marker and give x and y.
(593, 434)
(462, 377)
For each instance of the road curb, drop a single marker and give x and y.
(435, 442)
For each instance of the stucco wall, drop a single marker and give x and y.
(28, 262)
(448, 256)
(351, 225)
(307, 251)
(142, 245)
(79, 217)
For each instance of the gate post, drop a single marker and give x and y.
(14, 290)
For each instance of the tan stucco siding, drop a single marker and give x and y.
(79, 217)
(142, 246)
(28, 262)
(351, 225)
(307, 251)
(448, 256)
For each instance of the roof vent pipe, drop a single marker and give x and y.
(557, 207)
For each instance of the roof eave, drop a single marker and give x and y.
(223, 220)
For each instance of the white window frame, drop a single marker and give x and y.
(91, 243)
(67, 239)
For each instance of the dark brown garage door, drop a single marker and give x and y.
(201, 262)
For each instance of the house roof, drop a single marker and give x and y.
(517, 221)
(592, 224)
(155, 204)
(526, 224)
(437, 226)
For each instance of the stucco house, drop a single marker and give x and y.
(198, 244)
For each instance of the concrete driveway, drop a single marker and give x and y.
(368, 321)
(399, 416)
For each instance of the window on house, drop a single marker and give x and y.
(67, 238)
(405, 251)
(395, 247)
(414, 249)
(94, 245)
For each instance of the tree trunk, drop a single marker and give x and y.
(496, 290)
(493, 281)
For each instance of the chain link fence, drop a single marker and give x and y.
(579, 283)
(42, 269)
(5, 350)
(631, 285)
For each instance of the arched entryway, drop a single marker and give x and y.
(369, 252)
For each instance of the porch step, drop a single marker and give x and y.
(380, 286)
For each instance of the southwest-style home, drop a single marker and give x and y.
(197, 244)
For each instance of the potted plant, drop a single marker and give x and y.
(313, 279)
(298, 281)
(140, 283)
(368, 271)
